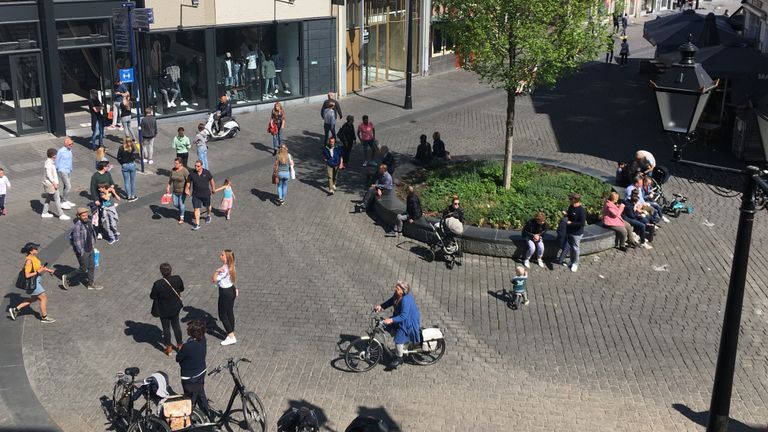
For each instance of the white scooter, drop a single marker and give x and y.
(229, 127)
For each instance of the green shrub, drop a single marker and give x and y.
(534, 188)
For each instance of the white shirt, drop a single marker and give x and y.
(4, 185)
(648, 156)
(223, 278)
(51, 176)
(252, 60)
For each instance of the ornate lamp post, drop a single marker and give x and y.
(681, 94)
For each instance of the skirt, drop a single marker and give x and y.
(226, 204)
(38, 289)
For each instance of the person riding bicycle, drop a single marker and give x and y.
(191, 359)
(405, 323)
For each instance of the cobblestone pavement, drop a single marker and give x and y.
(628, 343)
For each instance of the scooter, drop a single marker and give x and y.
(678, 205)
(229, 127)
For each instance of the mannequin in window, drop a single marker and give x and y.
(168, 89)
(236, 65)
(227, 69)
(279, 67)
(268, 71)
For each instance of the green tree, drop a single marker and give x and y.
(506, 42)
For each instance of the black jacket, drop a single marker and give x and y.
(457, 213)
(424, 153)
(532, 227)
(169, 303)
(389, 161)
(225, 109)
(413, 207)
(346, 135)
(125, 157)
(191, 357)
(325, 105)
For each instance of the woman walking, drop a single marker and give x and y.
(166, 305)
(51, 187)
(181, 145)
(176, 184)
(225, 278)
(33, 270)
(283, 170)
(276, 125)
(191, 360)
(126, 111)
(126, 155)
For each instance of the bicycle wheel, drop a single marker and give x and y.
(199, 419)
(149, 424)
(254, 414)
(120, 406)
(425, 358)
(363, 354)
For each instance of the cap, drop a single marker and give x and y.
(29, 247)
(81, 210)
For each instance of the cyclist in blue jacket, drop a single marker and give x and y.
(405, 323)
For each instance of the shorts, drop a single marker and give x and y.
(200, 202)
(226, 204)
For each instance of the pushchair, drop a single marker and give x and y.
(445, 244)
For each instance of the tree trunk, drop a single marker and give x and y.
(509, 136)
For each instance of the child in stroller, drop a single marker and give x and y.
(444, 244)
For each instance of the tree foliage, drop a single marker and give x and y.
(504, 40)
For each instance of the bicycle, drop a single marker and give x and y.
(254, 414)
(366, 351)
(125, 415)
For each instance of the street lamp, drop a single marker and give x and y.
(681, 94)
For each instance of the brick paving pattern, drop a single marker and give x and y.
(616, 346)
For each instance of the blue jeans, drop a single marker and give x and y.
(202, 154)
(98, 131)
(129, 178)
(277, 139)
(282, 183)
(574, 243)
(638, 225)
(537, 247)
(328, 129)
(178, 202)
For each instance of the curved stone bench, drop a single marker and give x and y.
(499, 242)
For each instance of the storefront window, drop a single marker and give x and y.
(20, 36)
(176, 77)
(258, 63)
(82, 32)
(385, 53)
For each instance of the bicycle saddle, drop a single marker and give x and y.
(132, 371)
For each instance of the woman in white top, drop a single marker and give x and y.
(51, 187)
(225, 277)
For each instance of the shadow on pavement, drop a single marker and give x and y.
(262, 147)
(145, 333)
(159, 212)
(701, 417)
(344, 341)
(212, 327)
(264, 195)
(377, 414)
(288, 419)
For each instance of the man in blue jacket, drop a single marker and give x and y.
(405, 323)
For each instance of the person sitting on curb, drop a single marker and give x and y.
(533, 231)
(412, 211)
(382, 186)
(423, 152)
(612, 211)
(654, 212)
(453, 217)
(636, 217)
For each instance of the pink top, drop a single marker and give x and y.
(612, 214)
(365, 131)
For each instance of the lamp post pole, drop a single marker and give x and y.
(409, 58)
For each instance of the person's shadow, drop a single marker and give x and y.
(14, 299)
(289, 416)
(701, 418)
(212, 328)
(145, 333)
(264, 195)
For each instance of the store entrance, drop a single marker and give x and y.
(22, 105)
(83, 69)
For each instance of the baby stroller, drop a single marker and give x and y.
(445, 244)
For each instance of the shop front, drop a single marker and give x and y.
(22, 101)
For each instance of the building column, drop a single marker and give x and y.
(341, 49)
(51, 68)
(425, 30)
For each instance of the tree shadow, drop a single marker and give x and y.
(264, 195)
(372, 416)
(287, 420)
(212, 328)
(701, 418)
(145, 333)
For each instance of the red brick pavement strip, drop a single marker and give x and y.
(587, 351)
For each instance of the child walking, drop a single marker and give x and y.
(228, 201)
(5, 184)
(109, 218)
(519, 283)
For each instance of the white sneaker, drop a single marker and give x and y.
(365, 163)
(527, 263)
(145, 160)
(65, 206)
(229, 341)
(46, 215)
(574, 268)
(540, 263)
(64, 217)
(665, 219)
(645, 245)
(151, 162)
(69, 203)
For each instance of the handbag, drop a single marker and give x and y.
(166, 199)
(272, 128)
(293, 174)
(22, 281)
(275, 180)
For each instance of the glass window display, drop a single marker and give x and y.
(258, 63)
(176, 78)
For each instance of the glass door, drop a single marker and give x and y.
(26, 85)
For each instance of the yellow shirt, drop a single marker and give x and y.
(32, 265)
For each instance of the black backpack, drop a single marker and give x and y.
(22, 282)
(298, 420)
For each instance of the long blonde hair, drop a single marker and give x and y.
(278, 108)
(100, 153)
(282, 155)
(128, 144)
(229, 256)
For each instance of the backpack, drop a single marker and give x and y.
(299, 420)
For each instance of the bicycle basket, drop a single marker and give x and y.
(177, 411)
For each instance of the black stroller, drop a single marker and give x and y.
(445, 244)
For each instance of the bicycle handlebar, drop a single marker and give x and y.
(229, 364)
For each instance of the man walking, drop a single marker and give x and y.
(576, 218)
(624, 51)
(327, 103)
(201, 144)
(624, 24)
(83, 239)
(119, 93)
(64, 169)
(200, 186)
(148, 134)
(333, 163)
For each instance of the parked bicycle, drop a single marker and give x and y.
(253, 414)
(366, 351)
